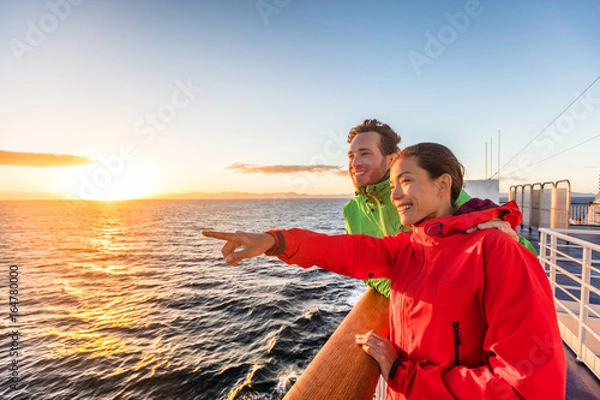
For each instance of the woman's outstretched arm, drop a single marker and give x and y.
(357, 256)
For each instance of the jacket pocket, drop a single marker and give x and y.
(457, 342)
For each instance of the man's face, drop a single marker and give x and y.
(366, 164)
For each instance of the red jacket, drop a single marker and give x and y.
(472, 313)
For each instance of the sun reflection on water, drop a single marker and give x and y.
(110, 307)
(95, 344)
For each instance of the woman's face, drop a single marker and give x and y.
(416, 196)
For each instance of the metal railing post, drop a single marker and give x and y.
(586, 265)
(553, 250)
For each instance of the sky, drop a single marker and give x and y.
(113, 100)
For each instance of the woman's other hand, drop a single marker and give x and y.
(381, 349)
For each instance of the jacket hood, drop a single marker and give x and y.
(452, 224)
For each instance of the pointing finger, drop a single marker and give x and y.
(219, 235)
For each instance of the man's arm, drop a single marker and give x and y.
(475, 204)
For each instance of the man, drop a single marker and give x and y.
(371, 212)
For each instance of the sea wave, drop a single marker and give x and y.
(128, 300)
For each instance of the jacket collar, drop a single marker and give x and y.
(431, 229)
(380, 190)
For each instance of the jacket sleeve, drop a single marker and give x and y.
(523, 347)
(346, 219)
(356, 256)
(527, 244)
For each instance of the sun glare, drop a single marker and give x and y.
(135, 181)
(123, 191)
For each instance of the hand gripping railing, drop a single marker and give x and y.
(341, 370)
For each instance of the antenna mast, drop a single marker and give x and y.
(486, 166)
(498, 172)
(491, 157)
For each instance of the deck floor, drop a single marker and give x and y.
(581, 383)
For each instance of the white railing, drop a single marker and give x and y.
(571, 265)
(543, 204)
(585, 214)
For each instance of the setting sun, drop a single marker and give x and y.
(96, 182)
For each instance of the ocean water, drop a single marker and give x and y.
(127, 300)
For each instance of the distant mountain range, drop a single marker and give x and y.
(246, 195)
(13, 195)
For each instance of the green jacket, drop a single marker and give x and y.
(372, 213)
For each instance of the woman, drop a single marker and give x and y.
(471, 316)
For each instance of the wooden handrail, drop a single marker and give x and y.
(341, 370)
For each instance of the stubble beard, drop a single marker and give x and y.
(376, 176)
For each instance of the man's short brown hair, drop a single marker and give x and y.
(388, 139)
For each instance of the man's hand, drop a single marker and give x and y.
(496, 223)
(254, 244)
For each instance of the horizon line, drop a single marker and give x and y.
(198, 195)
(195, 195)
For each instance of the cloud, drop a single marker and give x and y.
(41, 160)
(286, 169)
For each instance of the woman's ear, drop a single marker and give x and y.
(444, 183)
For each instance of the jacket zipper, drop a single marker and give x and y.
(376, 203)
(457, 342)
(381, 221)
